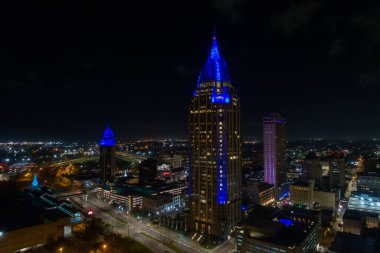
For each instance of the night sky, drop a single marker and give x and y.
(66, 71)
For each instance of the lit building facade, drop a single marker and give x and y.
(274, 149)
(259, 193)
(215, 159)
(107, 161)
(131, 202)
(302, 193)
(369, 182)
(337, 175)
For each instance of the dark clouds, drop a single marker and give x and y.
(296, 17)
(338, 47)
(231, 9)
(65, 72)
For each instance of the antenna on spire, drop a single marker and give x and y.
(214, 34)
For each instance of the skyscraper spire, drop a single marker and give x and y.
(214, 35)
(108, 138)
(215, 68)
(214, 52)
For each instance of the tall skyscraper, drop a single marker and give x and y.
(107, 161)
(274, 149)
(215, 160)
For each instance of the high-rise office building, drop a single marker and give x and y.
(312, 169)
(274, 149)
(337, 175)
(148, 170)
(302, 193)
(215, 160)
(107, 161)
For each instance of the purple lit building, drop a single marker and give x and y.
(274, 140)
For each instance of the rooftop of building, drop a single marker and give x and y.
(352, 243)
(368, 174)
(301, 183)
(359, 194)
(263, 186)
(146, 190)
(274, 118)
(276, 226)
(352, 214)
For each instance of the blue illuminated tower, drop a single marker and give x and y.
(107, 161)
(215, 160)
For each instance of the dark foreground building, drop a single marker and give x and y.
(215, 161)
(31, 218)
(107, 161)
(269, 229)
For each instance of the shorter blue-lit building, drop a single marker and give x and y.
(107, 160)
(268, 229)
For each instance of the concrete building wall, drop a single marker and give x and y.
(32, 236)
(326, 199)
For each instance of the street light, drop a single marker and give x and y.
(104, 246)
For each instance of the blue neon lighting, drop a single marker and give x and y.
(285, 195)
(223, 97)
(108, 139)
(35, 182)
(221, 161)
(286, 222)
(215, 68)
(222, 177)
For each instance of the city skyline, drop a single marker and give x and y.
(66, 76)
(220, 126)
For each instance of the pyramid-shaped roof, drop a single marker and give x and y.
(108, 139)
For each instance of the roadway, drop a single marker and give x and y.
(71, 161)
(144, 231)
(122, 227)
(352, 186)
(130, 157)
